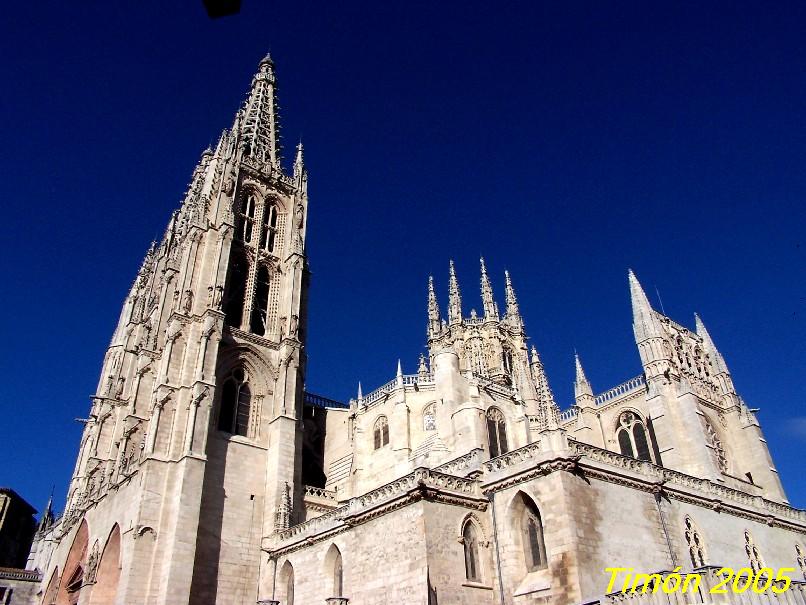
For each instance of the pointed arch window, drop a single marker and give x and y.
(801, 558)
(381, 432)
(470, 542)
(268, 233)
(338, 575)
(632, 437)
(429, 419)
(238, 274)
(696, 548)
(531, 530)
(236, 403)
(246, 218)
(259, 323)
(497, 432)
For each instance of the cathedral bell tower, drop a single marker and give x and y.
(191, 449)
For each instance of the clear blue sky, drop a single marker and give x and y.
(563, 141)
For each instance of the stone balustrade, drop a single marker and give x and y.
(463, 465)
(319, 492)
(665, 475)
(633, 384)
(504, 461)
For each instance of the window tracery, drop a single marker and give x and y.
(753, 555)
(497, 432)
(696, 549)
(716, 446)
(430, 418)
(632, 437)
(381, 432)
(251, 302)
(236, 404)
(246, 218)
(268, 234)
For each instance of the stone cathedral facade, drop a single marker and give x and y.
(207, 474)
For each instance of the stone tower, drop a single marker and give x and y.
(190, 453)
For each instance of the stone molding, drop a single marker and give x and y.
(421, 484)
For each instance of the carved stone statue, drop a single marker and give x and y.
(188, 306)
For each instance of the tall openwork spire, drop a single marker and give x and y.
(583, 392)
(490, 312)
(717, 360)
(645, 321)
(260, 129)
(513, 311)
(454, 298)
(433, 308)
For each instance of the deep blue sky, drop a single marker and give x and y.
(563, 141)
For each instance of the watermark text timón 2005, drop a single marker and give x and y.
(723, 581)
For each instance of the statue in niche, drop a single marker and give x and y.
(299, 215)
(119, 390)
(292, 332)
(188, 306)
(219, 294)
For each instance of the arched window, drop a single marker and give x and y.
(470, 542)
(756, 562)
(632, 437)
(238, 273)
(269, 232)
(696, 549)
(233, 416)
(801, 558)
(531, 530)
(381, 432)
(334, 569)
(286, 584)
(258, 324)
(497, 432)
(246, 218)
(429, 419)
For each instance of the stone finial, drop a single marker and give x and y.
(490, 310)
(454, 298)
(360, 397)
(433, 310)
(299, 163)
(282, 518)
(513, 311)
(422, 369)
(583, 392)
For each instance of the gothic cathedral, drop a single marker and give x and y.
(207, 474)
